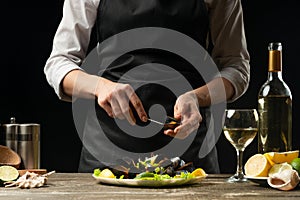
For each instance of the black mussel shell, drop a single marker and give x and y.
(120, 170)
(188, 167)
(171, 123)
(177, 162)
(170, 171)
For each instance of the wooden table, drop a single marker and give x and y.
(83, 186)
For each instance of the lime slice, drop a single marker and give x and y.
(296, 164)
(278, 168)
(8, 173)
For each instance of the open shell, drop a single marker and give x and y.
(285, 180)
(9, 157)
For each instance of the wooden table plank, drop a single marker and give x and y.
(82, 186)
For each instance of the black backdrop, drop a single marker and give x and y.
(27, 30)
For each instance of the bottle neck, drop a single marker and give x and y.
(275, 61)
(274, 75)
(275, 65)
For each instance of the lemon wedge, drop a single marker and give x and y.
(282, 157)
(269, 157)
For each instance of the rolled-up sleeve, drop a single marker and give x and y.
(70, 42)
(229, 43)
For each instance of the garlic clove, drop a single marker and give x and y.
(285, 180)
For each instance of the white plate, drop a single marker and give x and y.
(258, 180)
(149, 183)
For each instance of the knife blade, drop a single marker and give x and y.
(157, 122)
(170, 123)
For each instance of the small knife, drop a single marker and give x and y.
(170, 123)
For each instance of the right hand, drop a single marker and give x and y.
(115, 99)
(187, 110)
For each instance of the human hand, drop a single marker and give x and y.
(186, 109)
(115, 99)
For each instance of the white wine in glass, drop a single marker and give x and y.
(240, 128)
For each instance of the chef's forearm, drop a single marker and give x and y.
(80, 84)
(216, 91)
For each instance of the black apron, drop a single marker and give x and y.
(188, 17)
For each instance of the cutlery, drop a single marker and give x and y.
(170, 122)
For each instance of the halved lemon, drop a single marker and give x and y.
(282, 157)
(257, 166)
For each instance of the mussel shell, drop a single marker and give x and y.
(171, 123)
(170, 171)
(119, 171)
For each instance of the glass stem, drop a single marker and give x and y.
(239, 170)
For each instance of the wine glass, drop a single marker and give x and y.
(240, 128)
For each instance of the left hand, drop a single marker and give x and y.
(187, 110)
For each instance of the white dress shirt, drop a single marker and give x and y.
(72, 38)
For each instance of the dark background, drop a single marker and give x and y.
(26, 41)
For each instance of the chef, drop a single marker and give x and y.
(129, 88)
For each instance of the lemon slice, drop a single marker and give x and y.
(257, 166)
(198, 172)
(106, 173)
(282, 157)
(278, 168)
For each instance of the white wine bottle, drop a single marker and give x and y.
(275, 107)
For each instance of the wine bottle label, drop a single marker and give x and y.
(275, 61)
